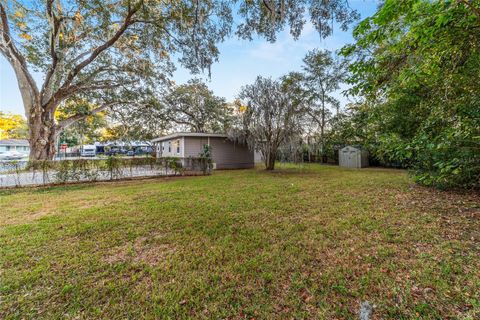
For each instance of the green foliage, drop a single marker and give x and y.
(193, 107)
(314, 88)
(87, 130)
(13, 126)
(91, 170)
(113, 166)
(205, 157)
(271, 114)
(417, 64)
(119, 53)
(206, 151)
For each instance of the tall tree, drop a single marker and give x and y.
(269, 114)
(323, 74)
(193, 107)
(117, 52)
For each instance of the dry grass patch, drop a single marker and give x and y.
(144, 250)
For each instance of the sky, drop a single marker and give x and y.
(240, 61)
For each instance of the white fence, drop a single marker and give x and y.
(37, 173)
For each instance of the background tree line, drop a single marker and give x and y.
(414, 69)
(416, 66)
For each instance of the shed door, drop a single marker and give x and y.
(350, 158)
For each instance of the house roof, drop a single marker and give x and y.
(189, 134)
(14, 142)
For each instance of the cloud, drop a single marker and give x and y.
(285, 47)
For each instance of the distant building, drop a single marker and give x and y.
(226, 154)
(18, 145)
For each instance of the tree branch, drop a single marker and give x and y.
(71, 120)
(55, 24)
(17, 61)
(471, 6)
(95, 53)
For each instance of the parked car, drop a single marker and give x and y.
(142, 151)
(115, 152)
(130, 153)
(11, 155)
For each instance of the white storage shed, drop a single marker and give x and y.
(353, 157)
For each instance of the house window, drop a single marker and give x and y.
(169, 146)
(178, 146)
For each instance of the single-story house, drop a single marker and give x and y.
(226, 154)
(18, 145)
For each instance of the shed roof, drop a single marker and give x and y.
(14, 142)
(358, 147)
(189, 134)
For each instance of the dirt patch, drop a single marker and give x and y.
(441, 201)
(28, 214)
(144, 250)
(451, 208)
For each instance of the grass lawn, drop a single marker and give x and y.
(308, 242)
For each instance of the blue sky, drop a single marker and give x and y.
(239, 64)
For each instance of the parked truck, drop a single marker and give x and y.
(88, 150)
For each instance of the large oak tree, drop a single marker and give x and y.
(193, 107)
(115, 53)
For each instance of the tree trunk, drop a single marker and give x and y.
(270, 160)
(43, 134)
(271, 163)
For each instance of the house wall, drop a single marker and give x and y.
(176, 148)
(225, 153)
(194, 145)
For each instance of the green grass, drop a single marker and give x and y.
(308, 242)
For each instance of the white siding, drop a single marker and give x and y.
(171, 148)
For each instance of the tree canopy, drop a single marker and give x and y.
(90, 127)
(323, 72)
(193, 107)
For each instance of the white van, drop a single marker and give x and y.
(88, 150)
